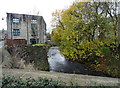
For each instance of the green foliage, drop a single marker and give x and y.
(46, 69)
(13, 82)
(106, 51)
(47, 46)
(113, 61)
(113, 71)
(86, 32)
(38, 44)
(76, 30)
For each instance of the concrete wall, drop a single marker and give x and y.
(80, 81)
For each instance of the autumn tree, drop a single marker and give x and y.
(86, 31)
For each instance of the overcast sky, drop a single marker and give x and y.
(45, 8)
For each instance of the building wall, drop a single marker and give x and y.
(24, 26)
(38, 27)
(21, 25)
(42, 31)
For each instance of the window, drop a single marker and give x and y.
(24, 18)
(34, 33)
(33, 21)
(33, 26)
(33, 41)
(16, 32)
(16, 20)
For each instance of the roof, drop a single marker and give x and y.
(24, 14)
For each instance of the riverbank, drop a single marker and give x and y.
(82, 80)
(27, 57)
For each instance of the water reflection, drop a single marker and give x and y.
(58, 63)
(56, 60)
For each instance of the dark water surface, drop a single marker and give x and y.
(58, 63)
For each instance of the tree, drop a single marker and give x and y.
(79, 23)
(86, 31)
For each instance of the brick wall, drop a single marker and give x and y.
(10, 42)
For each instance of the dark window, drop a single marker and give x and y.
(16, 32)
(33, 41)
(16, 20)
(24, 18)
(34, 32)
(33, 26)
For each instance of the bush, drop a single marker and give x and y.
(105, 51)
(109, 64)
(38, 45)
(11, 81)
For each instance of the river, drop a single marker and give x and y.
(58, 63)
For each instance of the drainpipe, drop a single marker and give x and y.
(27, 32)
(119, 28)
(11, 30)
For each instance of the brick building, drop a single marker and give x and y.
(26, 29)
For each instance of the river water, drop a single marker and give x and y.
(58, 63)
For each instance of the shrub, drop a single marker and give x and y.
(11, 81)
(38, 44)
(109, 64)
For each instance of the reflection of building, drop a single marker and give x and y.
(29, 28)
